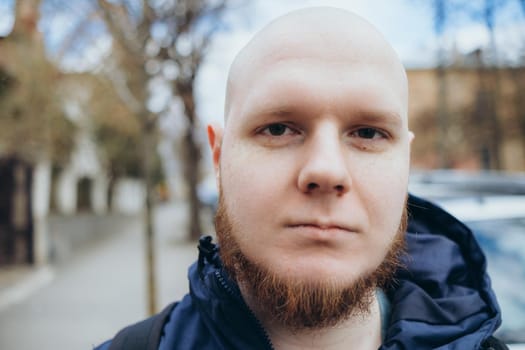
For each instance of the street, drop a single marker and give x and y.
(101, 288)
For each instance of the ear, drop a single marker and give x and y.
(215, 140)
(411, 137)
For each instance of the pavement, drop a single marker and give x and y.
(87, 299)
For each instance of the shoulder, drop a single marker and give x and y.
(145, 334)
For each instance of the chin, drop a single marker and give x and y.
(318, 270)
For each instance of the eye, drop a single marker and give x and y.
(368, 133)
(277, 129)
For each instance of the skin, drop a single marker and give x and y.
(313, 160)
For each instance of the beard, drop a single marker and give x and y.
(304, 305)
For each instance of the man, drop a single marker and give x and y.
(312, 169)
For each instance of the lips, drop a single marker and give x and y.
(322, 226)
(320, 233)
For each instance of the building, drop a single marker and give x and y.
(473, 119)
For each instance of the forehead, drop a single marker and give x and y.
(293, 60)
(321, 87)
(318, 81)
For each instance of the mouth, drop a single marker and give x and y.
(321, 231)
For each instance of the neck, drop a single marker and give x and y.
(357, 332)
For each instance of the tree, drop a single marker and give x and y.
(32, 122)
(116, 131)
(34, 132)
(186, 45)
(190, 25)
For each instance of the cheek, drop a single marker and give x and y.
(253, 188)
(382, 186)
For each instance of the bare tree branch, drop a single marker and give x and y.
(118, 23)
(118, 79)
(78, 31)
(148, 17)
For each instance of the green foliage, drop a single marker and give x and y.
(116, 130)
(120, 149)
(32, 123)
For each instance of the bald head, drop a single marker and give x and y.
(328, 35)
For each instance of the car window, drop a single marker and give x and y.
(503, 242)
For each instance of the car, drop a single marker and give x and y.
(454, 183)
(498, 223)
(208, 193)
(492, 205)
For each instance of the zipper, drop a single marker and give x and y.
(231, 292)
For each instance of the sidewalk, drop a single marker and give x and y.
(100, 289)
(18, 283)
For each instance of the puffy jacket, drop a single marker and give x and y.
(442, 299)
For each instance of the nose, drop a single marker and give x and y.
(325, 168)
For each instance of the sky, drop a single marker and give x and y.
(6, 18)
(407, 25)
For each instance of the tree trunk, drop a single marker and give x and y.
(442, 116)
(519, 105)
(191, 158)
(440, 17)
(191, 164)
(147, 160)
(495, 89)
(495, 127)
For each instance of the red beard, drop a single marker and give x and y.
(299, 305)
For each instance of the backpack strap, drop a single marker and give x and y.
(493, 343)
(144, 335)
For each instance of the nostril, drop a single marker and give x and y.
(339, 188)
(312, 186)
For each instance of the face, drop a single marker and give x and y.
(313, 163)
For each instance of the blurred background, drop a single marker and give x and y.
(106, 181)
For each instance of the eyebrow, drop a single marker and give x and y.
(281, 111)
(380, 116)
(277, 112)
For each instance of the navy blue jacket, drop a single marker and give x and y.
(441, 300)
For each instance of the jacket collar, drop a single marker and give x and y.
(443, 298)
